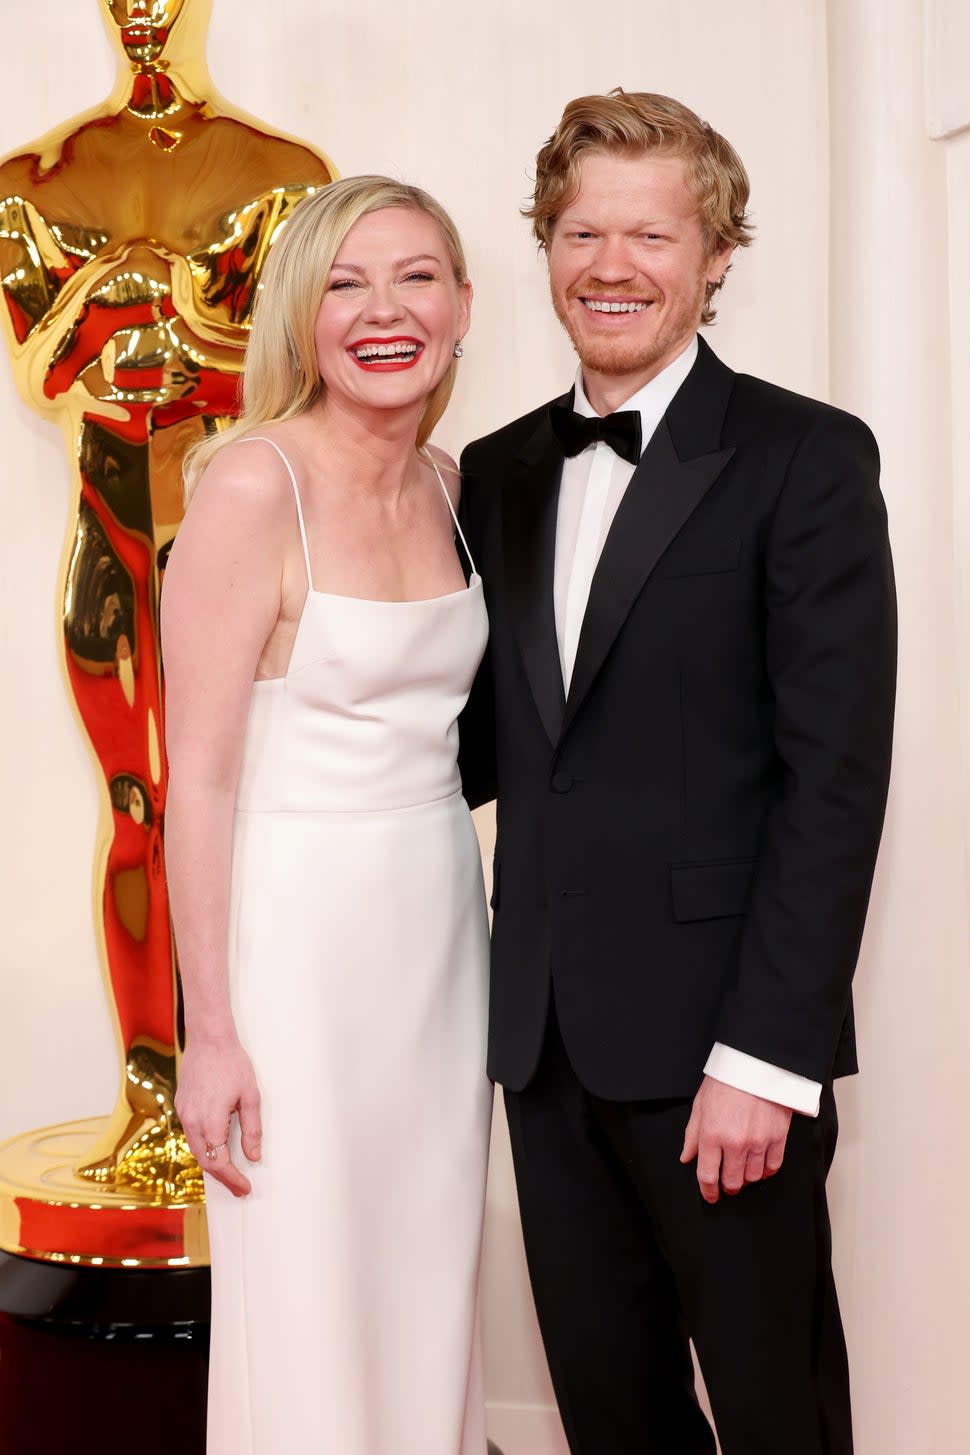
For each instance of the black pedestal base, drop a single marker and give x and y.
(107, 1303)
(99, 1360)
(93, 1360)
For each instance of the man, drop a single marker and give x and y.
(686, 713)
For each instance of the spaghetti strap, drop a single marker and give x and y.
(444, 490)
(296, 495)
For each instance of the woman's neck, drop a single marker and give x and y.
(375, 449)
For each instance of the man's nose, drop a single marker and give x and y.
(613, 261)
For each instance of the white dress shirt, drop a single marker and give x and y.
(592, 486)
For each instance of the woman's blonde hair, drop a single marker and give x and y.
(631, 123)
(281, 378)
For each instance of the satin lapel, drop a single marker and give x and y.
(529, 509)
(662, 494)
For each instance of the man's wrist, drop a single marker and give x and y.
(762, 1078)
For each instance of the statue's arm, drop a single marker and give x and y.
(34, 265)
(47, 273)
(216, 284)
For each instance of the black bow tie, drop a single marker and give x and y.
(575, 431)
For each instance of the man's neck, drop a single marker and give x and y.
(609, 392)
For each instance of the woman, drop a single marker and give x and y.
(319, 643)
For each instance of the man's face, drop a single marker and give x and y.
(143, 25)
(628, 265)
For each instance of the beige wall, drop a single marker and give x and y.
(897, 352)
(845, 295)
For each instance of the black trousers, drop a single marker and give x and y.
(628, 1263)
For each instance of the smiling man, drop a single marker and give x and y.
(686, 716)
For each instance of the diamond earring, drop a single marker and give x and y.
(458, 350)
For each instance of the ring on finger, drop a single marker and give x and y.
(212, 1149)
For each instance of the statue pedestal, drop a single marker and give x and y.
(91, 1356)
(49, 1213)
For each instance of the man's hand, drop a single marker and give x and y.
(736, 1138)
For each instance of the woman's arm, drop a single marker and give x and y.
(220, 603)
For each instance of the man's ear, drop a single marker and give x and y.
(719, 263)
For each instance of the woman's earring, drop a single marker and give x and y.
(458, 350)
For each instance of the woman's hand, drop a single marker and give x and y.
(217, 1079)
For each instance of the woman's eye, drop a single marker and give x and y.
(419, 278)
(342, 284)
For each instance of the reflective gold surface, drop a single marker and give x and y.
(131, 242)
(49, 1212)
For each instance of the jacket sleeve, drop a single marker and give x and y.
(830, 649)
(476, 724)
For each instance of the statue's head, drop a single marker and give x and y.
(144, 27)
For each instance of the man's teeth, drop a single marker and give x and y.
(386, 351)
(597, 307)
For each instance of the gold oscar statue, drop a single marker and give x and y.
(131, 243)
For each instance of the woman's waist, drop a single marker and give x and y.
(346, 806)
(329, 764)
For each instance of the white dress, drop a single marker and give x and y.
(344, 1288)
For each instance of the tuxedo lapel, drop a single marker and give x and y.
(529, 509)
(678, 467)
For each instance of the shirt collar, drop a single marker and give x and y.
(654, 399)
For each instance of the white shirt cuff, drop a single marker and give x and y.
(761, 1078)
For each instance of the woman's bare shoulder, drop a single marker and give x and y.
(249, 475)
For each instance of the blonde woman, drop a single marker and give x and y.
(320, 640)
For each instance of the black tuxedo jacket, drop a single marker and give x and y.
(686, 843)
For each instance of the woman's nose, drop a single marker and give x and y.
(383, 303)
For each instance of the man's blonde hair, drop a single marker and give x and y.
(281, 378)
(631, 123)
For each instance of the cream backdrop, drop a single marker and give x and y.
(852, 292)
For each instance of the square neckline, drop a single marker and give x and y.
(473, 580)
(474, 584)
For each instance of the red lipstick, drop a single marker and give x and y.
(386, 355)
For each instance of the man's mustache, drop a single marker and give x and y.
(595, 285)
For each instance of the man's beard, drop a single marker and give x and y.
(618, 356)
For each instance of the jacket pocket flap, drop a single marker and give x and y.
(710, 889)
(708, 558)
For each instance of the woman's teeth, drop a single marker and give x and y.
(386, 351)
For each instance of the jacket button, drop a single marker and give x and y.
(561, 782)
